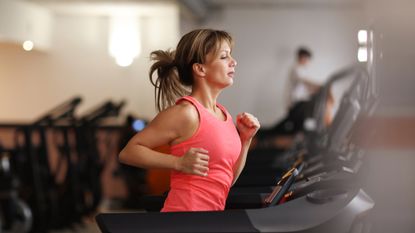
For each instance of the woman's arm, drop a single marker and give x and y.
(247, 126)
(171, 126)
(240, 164)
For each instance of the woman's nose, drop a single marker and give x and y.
(233, 62)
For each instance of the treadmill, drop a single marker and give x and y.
(325, 210)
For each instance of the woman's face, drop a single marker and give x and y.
(220, 67)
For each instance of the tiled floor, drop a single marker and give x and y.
(87, 228)
(89, 225)
(391, 185)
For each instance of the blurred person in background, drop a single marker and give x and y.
(299, 102)
(300, 85)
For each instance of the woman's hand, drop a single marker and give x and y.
(195, 161)
(247, 126)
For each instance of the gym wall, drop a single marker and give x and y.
(78, 64)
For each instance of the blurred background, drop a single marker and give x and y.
(87, 61)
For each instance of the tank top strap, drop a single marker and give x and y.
(192, 100)
(221, 107)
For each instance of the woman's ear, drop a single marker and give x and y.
(199, 69)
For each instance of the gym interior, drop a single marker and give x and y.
(75, 88)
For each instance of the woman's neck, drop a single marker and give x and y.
(206, 97)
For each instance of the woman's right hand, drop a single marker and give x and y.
(195, 161)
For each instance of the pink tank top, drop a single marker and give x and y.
(221, 139)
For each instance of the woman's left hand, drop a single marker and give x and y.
(247, 126)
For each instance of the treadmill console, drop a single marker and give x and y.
(281, 188)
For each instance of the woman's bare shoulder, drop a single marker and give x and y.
(179, 115)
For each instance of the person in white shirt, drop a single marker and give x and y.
(300, 102)
(300, 86)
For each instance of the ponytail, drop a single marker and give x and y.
(167, 83)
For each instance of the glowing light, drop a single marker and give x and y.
(362, 36)
(138, 125)
(28, 45)
(124, 42)
(124, 61)
(362, 54)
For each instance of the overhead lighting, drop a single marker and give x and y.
(362, 54)
(28, 45)
(362, 37)
(124, 41)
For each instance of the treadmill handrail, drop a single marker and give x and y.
(319, 109)
(64, 110)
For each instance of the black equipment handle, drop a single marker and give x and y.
(64, 110)
(107, 109)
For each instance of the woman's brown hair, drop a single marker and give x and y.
(174, 77)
